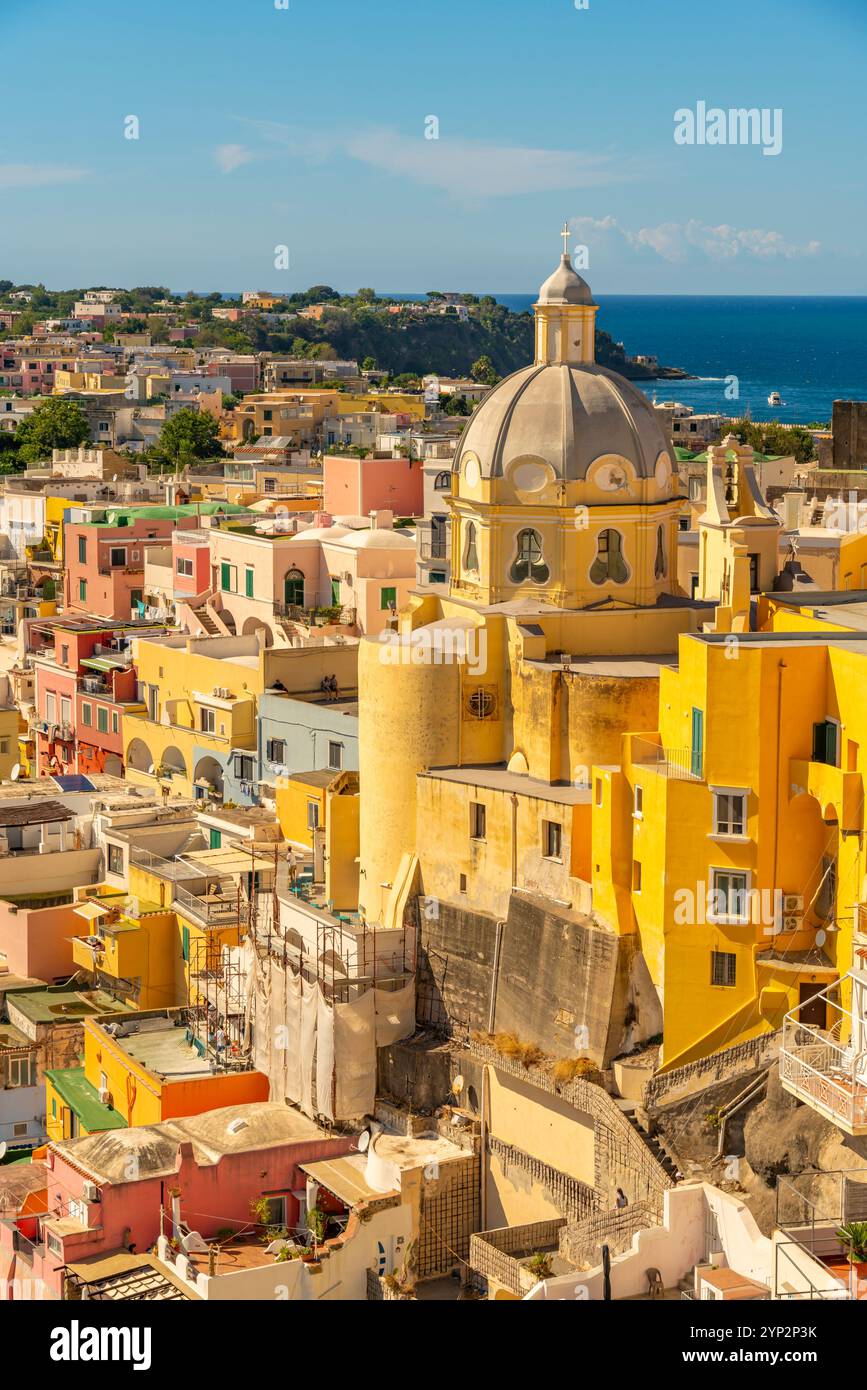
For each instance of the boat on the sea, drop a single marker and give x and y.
(775, 398)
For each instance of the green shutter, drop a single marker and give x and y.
(185, 939)
(249, 583)
(697, 752)
(225, 577)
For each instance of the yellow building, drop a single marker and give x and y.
(320, 810)
(482, 717)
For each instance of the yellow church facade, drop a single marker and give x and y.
(580, 753)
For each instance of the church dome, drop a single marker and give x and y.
(567, 415)
(565, 286)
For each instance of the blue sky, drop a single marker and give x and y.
(305, 127)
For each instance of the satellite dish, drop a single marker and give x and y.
(16, 772)
(363, 1141)
(457, 1085)
(3, 1148)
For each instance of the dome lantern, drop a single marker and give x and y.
(565, 315)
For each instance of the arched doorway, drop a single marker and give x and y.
(293, 588)
(256, 625)
(173, 764)
(138, 756)
(209, 771)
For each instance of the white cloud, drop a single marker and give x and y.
(463, 168)
(37, 175)
(230, 157)
(678, 241)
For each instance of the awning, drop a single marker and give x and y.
(105, 663)
(90, 911)
(344, 1177)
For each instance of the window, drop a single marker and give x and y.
(65, 710)
(102, 719)
(184, 567)
(82, 550)
(477, 820)
(312, 815)
(82, 591)
(729, 896)
(293, 588)
(248, 582)
(528, 562)
(118, 555)
(335, 755)
(442, 482)
(598, 791)
(660, 565)
(729, 813)
(208, 721)
(115, 722)
(609, 563)
(185, 943)
(723, 968)
(637, 801)
(19, 1129)
(636, 876)
(552, 838)
(228, 578)
(51, 707)
(275, 750)
(471, 553)
(64, 655)
(270, 484)
(215, 839)
(388, 598)
(115, 859)
(20, 1071)
(825, 742)
(276, 1211)
(245, 769)
(463, 883)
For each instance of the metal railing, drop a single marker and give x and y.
(825, 1066)
(675, 763)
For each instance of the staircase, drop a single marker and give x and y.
(652, 1142)
(207, 622)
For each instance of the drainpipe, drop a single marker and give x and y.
(495, 975)
(781, 666)
(514, 799)
(483, 1152)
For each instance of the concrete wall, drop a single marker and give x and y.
(36, 943)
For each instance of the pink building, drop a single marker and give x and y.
(35, 942)
(191, 564)
(218, 1164)
(105, 560)
(357, 487)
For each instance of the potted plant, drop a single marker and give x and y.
(317, 1224)
(852, 1236)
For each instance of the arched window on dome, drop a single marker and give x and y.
(528, 562)
(442, 482)
(609, 562)
(471, 553)
(660, 564)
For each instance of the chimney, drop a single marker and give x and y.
(382, 520)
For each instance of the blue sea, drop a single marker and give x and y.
(812, 350)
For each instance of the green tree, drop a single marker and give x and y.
(366, 295)
(482, 370)
(770, 437)
(187, 436)
(369, 364)
(54, 424)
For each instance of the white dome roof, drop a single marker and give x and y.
(568, 415)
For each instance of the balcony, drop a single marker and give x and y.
(674, 763)
(831, 787)
(826, 1068)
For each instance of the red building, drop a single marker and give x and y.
(84, 682)
(105, 559)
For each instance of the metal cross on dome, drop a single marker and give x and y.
(565, 234)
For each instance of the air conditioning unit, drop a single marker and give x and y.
(104, 1097)
(90, 1191)
(793, 902)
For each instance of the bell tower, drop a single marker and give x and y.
(565, 315)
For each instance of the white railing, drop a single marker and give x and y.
(824, 1066)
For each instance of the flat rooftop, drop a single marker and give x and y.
(499, 778)
(165, 1050)
(52, 1005)
(624, 667)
